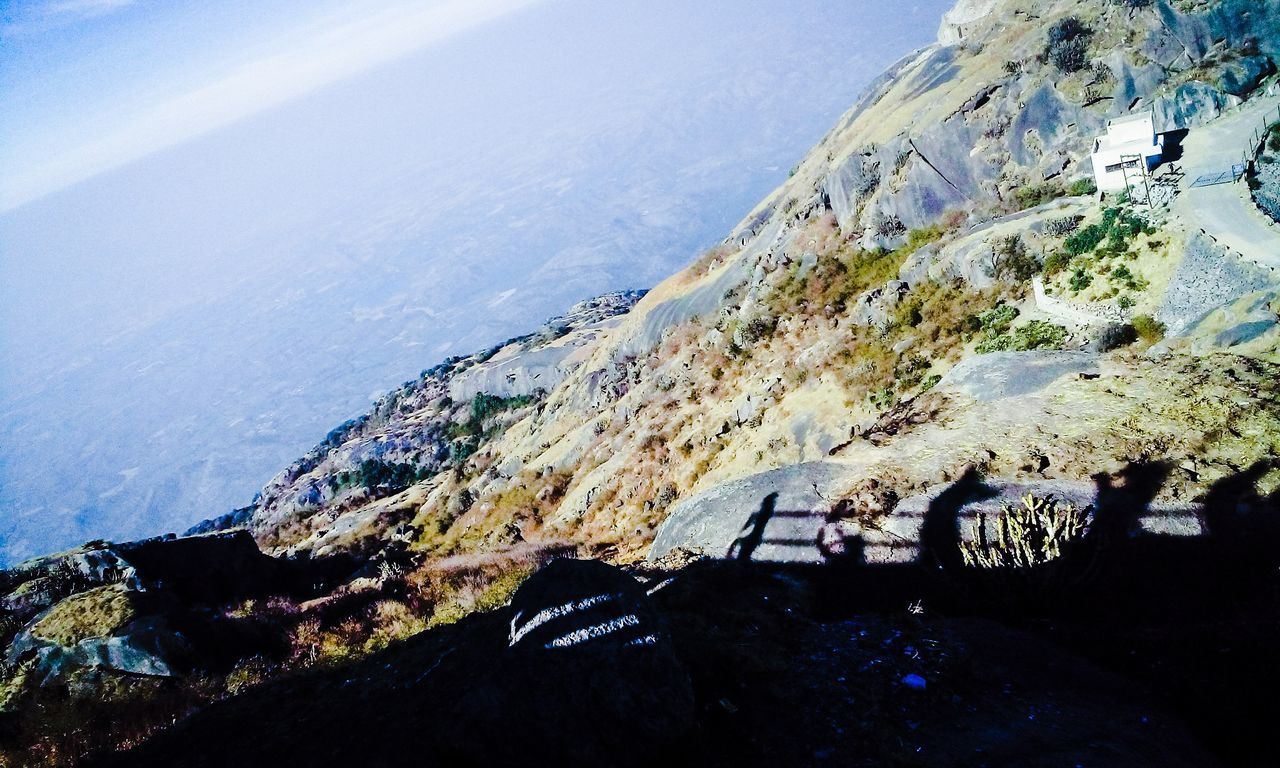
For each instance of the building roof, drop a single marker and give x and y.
(1109, 144)
(1133, 118)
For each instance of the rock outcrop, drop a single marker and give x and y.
(590, 676)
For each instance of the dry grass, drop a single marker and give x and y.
(93, 613)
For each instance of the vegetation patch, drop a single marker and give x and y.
(1036, 334)
(1068, 45)
(96, 613)
(1035, 533)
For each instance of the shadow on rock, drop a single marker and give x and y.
(589, 678)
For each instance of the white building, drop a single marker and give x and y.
(1129, 148)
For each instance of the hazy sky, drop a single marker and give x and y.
(84, 95)
(225, 226)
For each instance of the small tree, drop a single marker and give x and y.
(1149, 329)
(1068, 47)
(1010, 260)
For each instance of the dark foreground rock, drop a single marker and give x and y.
(750, 671)
(590, 667)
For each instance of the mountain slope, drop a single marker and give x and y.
(778, 345)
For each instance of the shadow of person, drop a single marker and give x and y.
(752, 534)
(1119, 508)
(1243, 525)
(1233, 504)
(939, 532)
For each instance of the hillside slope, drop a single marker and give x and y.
(858, 283)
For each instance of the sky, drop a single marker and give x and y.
(226, 226)
(278, 57)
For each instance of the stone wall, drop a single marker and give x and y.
(1078, 312)
(1209, 276)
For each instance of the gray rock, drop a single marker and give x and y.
(958, 23)
(1002, 375)
(1191, 105)
(1053, 122)
(146, 646)
(1243, 76)
(875, 307)
(1134, 83)
(1244, 333)
(775, 516)
(704, 301)
(1209, 277)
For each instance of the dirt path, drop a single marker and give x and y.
(1226, 211)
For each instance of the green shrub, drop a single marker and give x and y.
(1036, 334)
(1012, 261)
(1082, 187)
(1149, 329)
(1080, 279)
(1038, 194)
(1039, 334)
(1068, 46)
(484, 407)
(882, 399)
(998, 319)
(1000, 343)
(1086, 239)
(1063, 226)
(1056, 262)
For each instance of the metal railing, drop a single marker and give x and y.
(1260, 137)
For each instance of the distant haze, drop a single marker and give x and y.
(192, 293)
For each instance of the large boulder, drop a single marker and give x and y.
(1242, 77)
(1002, 375)
(590, 676)
(105, 628)
(965, 13)
(777, 517)
(208, 568)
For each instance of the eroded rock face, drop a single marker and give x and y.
(590, 677)
(134, 608)
(523, 368)
(104, 628)
(206, 568)
(147, 647)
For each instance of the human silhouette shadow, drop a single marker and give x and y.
(1193, 618)
(1119, 508)
(1233, 505)
(752, 534)
(940, 533)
